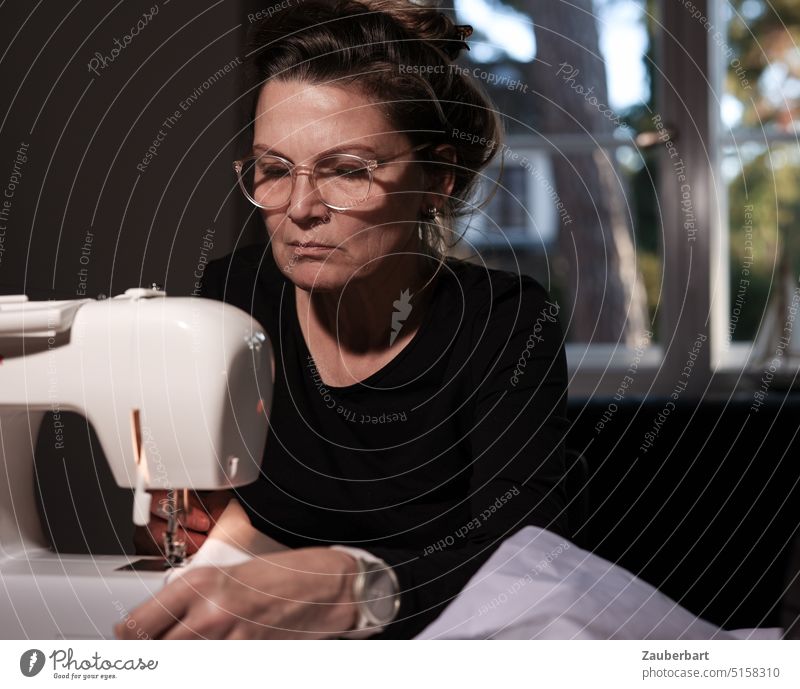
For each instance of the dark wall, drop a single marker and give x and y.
(85, 113)
(88, 89)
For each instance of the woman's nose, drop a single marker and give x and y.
(305, 201)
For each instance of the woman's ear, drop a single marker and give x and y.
(440, 176)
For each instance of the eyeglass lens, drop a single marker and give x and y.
(341, 180)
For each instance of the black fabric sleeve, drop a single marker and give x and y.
(520, 376)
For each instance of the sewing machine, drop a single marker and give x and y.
(178, 391)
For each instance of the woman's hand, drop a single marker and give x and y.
(195, 522)
(296, 594)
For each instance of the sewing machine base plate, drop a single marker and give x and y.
(44, 595)
(147, 565)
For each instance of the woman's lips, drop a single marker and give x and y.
(310, 248)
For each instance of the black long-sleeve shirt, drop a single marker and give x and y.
(429, 463)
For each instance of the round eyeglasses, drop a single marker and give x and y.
(341, 180)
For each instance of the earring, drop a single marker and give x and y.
(431, 213)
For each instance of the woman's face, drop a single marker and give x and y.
(302, 122)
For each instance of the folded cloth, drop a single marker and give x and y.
(538, 585)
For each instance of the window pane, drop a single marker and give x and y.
(762, 64)
(764, 213)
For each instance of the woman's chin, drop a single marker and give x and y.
(315, 276)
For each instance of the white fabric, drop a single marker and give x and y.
(537, 585)
(213, 553)
(232, 541)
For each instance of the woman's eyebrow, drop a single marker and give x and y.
(344, 148)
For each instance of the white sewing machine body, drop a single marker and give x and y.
(191, 377)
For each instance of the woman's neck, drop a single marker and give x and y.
(373, 314)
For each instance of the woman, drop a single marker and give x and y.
(417, 417)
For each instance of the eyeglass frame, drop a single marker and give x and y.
(371, 165)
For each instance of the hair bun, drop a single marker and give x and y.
(425, 22)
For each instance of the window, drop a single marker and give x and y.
(649, 146)
(757, 73)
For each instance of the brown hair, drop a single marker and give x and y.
(399, 55)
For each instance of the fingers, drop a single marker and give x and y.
(203, 622)
(149, 540)
(196, 519)
(212, 502)
(193, 517)
(195, 522)
(158, 615)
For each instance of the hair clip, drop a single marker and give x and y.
(463, 31)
